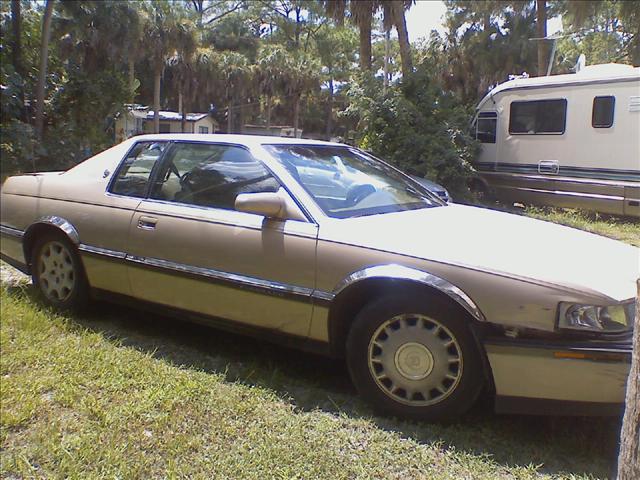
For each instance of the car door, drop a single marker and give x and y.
(103, 215)
(190, 249)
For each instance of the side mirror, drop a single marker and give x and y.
(268, 204)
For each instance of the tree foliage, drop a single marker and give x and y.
(315, 65)
(416, 126)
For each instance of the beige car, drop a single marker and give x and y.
(429, 303)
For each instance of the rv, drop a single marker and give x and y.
(563, 140)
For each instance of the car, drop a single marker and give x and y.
(433, 187)
(324, 247)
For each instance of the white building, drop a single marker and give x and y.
(138, 120)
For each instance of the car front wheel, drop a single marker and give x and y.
(58, 273)
(414, 359)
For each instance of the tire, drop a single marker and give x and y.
(58, 273)
(415, 359)
(482, 192)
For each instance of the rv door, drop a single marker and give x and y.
(486, 130)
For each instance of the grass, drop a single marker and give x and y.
(122, 394)
(115, 393)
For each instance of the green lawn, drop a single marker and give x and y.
(116, 393)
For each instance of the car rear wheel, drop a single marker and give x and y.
(58, 273)
(414, 359)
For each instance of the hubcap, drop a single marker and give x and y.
(415, 360)
(56, 274)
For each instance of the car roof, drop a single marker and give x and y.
(246, 140)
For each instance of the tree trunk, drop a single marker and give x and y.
(229, 115)
(16, 48)
(387, 53)
(365, 45)
(16, 52)
(241, 112)
(132, 78)
(296, 114)
(157, 75)
(629, 457)
(541, 32)
(268, 111)
(42, 73)
(330, 110)
(486, 23)
(403, 40)
(182, 111)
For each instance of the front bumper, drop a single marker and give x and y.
(561, 378)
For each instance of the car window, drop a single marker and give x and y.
(211, 175)
(347, 183)
(133, 175)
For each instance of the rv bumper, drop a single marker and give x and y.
(559, 379)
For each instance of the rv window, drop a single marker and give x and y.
(602, 114)
(486, 127)
(538, 117)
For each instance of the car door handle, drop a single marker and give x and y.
(147, 223)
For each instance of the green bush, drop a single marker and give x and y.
(416, 126)
(17, 148)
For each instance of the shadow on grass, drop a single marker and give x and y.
(558, 445)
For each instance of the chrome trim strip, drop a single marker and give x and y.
(101, 251)
(239, 281)
(324, 296)
(594, 196)
(400, 272)
(60, 223)
(236, 280)
(11, 232)
(562, 179)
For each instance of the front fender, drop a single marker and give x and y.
(400, 272)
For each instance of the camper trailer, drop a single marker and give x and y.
(564, 140)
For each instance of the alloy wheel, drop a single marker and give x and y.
(56, 271)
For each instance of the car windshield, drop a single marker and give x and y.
(348, 183)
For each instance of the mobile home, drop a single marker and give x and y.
(565, 140)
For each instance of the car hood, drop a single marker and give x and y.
(500, 243)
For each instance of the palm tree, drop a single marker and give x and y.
(361, 14)
(393, 11)
(301, 76)
(541, 32)
(42, 72)
(162, 31)
(270, 69)
(236, 73)
(16, 51)
(97, 34)
(182, 62)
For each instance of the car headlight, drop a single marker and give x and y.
(592, 318)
